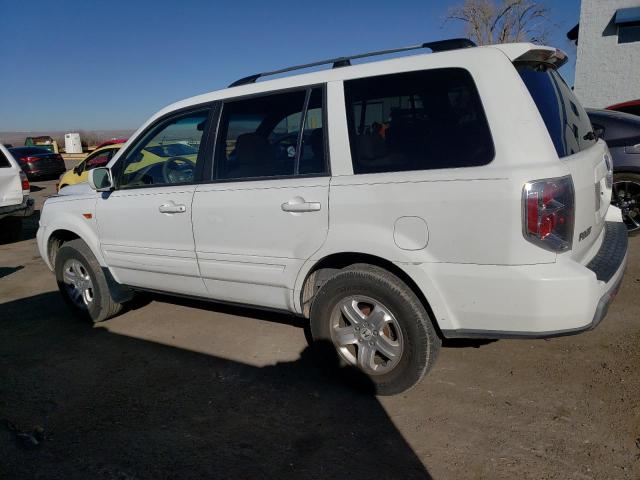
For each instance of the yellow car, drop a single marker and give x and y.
(161, 162)
(169, 162)
(98, 158)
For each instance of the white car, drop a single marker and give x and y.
(455, 194)
(15, 202)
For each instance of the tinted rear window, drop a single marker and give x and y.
(29, 151)
(417, 121)
(632, 109)
(566, 120)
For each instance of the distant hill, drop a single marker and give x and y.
(91, 137)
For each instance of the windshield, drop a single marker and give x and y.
(566, 120)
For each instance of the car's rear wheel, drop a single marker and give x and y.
(10, 229)
(82, 283)
(626, 196)
(377, 324)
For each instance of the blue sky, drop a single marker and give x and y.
(85, 64)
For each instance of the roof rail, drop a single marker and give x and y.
(438, 46)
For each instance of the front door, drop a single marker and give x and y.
(266, 212)
(145, 224)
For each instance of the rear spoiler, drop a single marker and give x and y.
(528, 52)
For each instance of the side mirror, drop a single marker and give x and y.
(101, 180)
(77, 169)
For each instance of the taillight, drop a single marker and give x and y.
(548, 212)
(30, 159)
(25, 182)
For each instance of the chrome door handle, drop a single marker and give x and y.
(172, 208)
(298, 205)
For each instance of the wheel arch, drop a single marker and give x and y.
(63, 234)
(321, 270)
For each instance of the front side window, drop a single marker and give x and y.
(167, 154)
(416, 121)
(565, 119)
(271, 136)
(99, 159)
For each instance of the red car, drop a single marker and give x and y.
(113, 141)
(632, 106)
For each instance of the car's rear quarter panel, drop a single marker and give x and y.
(473, 215)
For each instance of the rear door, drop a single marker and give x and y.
(145, 225)
(585, 157)
(266, 211)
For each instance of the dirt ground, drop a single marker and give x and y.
(182, 389)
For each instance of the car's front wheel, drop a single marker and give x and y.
(82, 283)
(377, 324)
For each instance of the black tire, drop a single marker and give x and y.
(421, 342)
(10, 229)
(633, 217)
(102, 307)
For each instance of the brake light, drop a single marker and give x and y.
(548, 213)
(25, 182)
(30, 159)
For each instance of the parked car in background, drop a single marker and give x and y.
(15, 202)
(419, 210)
(621, 131)
(45, 142)
(632, 107)
(38, 162)
(98, 158)
(113, 141)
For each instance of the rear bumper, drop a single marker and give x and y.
(530, 301)
(24, 209)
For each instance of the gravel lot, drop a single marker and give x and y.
(183, 389)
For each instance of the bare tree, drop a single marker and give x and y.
(488, 21)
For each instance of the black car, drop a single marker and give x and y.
(621, 131)
(38, 162)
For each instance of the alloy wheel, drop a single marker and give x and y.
(366, 334)
(77, 282)
(626, 196)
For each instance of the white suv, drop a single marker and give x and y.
(394, 203)
(15, 202)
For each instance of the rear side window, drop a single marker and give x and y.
(417, 121)
(566, 120)
(277, 135)
(4, 162)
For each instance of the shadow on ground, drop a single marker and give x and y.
(6, 271)
(111, 406)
